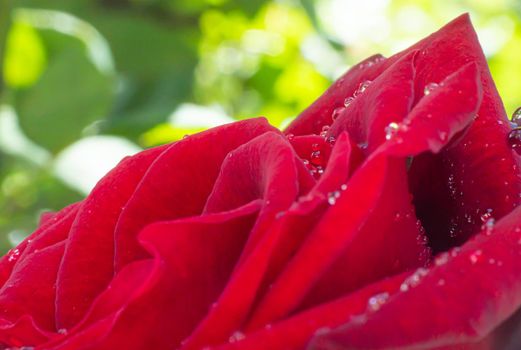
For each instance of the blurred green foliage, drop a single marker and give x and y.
(146, 72)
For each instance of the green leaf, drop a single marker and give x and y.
(25, 56)
(70, 95)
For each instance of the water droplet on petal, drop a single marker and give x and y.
(488, 226)
(429, 88)
(332, 197)
(290, 137)
(336, 113)
(488, 222)
(13, 255)
(363, 145)
(391, 130)
(474, 257)
(362, 87)
(516, 117)
(343, 187)
(441, 259)
(348, 101)
(414, 279)
(376, 301)
(514, 140)
(236, 336)
(62, 331)
(316, 158)
(454, 251)
(324, 131)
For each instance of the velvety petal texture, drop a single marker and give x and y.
(383, 217)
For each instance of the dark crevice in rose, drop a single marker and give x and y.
(433, 200)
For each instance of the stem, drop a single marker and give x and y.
(5, 20)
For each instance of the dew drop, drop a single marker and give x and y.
(363, 145)
(290, 137)
(429, 88)
(474, 257)
(376, 301)
(454, 251)
(441, 259)
(336, 113)
(516, 117)
(13, 255)
(488, 222)
(236, 336)
(348, 101)
(488, 226)
(343, 187)
(514, 140)
(441, 282)
(62, 331)
(391, 130)
(332, 197)
(316, 158)
(324, 131)
(362, 87)
(331, 140)
(414, 279)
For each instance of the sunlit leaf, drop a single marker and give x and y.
(25, 57)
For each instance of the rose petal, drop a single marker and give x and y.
(263, 168)
(320, 112)
(23, 332)
(179, 182)
(391, 241)
(388, 99)
(49, 233)
(295, 332)
(30, 288)
(88, 263)
(126, 287)
(439, 116)
(207, 249)
(435, 312)
(334, 232)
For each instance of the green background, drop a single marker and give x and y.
(87, 82)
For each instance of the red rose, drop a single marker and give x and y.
(383, 218)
